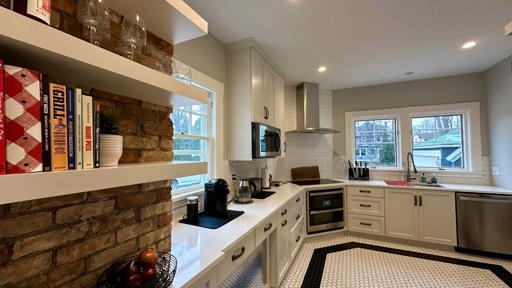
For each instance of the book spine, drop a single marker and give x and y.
(78, 129)
(87, 133)
(96, 141)
(70, 114)
(58, 131)
(45, 124)
(2, 120)
(22, 120)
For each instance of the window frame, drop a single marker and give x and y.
(216, 106)
(471, 133)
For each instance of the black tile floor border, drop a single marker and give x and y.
(313, 277)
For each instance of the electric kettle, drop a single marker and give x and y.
(245, 191)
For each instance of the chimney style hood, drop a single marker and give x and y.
(308, 110)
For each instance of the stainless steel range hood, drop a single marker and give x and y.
(308, 110)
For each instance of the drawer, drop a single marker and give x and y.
(235, 255)
(296, 238)
(366, 224)
(296, 216)
(366, 205)
(265, 228)
(366, 191)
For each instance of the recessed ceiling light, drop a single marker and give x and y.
(322, 69)
(469, 44)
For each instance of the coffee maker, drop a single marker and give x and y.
(216, 198)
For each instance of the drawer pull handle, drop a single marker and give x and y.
(284, 212)
(365, 224)
(297, 217)
(297, 200)
(365, 191)
(298, 238)
(239, 254)
(415, 200)
(284, 223)
(266, 228)
(365, 205)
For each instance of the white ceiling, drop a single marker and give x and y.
(366, 42)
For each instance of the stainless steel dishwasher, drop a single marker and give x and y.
(484, 222)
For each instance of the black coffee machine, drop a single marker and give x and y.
(216, 198)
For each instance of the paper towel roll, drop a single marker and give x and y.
(265, 178)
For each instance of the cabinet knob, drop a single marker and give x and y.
(284, 212)
(284, 223)
(266, 228)
(297, 217)
(298, 238)
(297, 200)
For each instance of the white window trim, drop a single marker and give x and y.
(472, 138)
(216, 124)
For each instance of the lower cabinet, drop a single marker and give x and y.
(425, 215)
(366, 213)
(236, 254)
(209, 280)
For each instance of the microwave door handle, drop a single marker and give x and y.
(278, 142)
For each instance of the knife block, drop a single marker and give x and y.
(364, 174)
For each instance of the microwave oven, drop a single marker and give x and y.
(266, 141)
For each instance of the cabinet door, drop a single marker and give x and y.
(279, 110)
(401, 214)
(268, 95)
(437, 217)
(283, 243)
(258, 113)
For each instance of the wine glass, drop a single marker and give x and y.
(94, 15)
(133, 35)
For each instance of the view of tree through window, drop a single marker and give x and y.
(375, 142)
(191, 140)
(437, 141)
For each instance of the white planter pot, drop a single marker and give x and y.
(111, 149)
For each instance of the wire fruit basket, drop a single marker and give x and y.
(165, 270)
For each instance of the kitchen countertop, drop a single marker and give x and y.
(200, 249)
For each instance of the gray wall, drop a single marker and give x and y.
(206, 54)
(435, 91)
(499, 99)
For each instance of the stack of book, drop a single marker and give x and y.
(45, 126)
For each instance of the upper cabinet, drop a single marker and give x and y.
(256, 94)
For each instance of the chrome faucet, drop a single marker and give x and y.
(409, 178)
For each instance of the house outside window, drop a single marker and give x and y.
(377, 136)
(437, 141)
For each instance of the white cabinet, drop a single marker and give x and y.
(283, 242)
(236, 254)
(425, 215)
(366, 209)
(262, 90)
(279, 108)
(255, 91)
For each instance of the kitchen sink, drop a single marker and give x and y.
(411, 184)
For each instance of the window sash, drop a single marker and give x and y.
(375, 134)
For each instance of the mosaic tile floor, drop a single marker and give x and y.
(368, 268)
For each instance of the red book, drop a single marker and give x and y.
(2, 120)
(23, 120)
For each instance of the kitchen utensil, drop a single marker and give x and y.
(245, 191)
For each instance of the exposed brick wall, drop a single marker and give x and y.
(68, 241)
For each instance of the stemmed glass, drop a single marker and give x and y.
(133, 35)
(94, 15)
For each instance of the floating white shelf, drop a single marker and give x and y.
(172, 20)
(22, 187)
(34, 45)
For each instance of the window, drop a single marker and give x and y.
(437, 141)
(377, 136)
(441, 137)
(191, 141)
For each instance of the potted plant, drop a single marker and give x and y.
(111, 143)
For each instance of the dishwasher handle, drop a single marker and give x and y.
(493, 199)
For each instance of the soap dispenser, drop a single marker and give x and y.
(423, 178)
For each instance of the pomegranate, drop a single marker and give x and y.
(148, 257)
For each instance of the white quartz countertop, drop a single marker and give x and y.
(199, 249)
(445, 187)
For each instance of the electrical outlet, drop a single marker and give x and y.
(495, 171)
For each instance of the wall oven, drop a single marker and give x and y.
(325, 210)
(266, 141)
